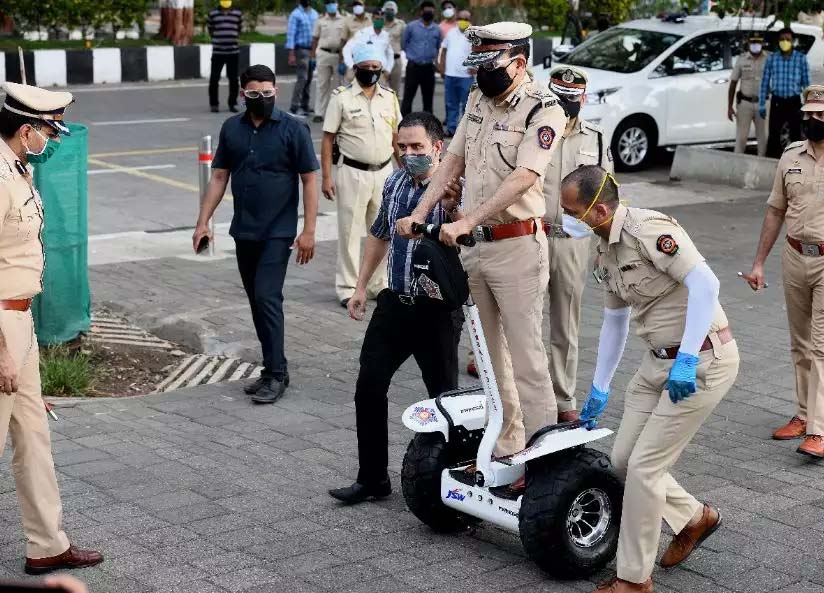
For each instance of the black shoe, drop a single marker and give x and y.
(253, 387)
(357, 492)
(271, 391)
(317, 119)
(233, 108)
(215, 109)
(345, 303)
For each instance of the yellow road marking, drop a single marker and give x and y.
(144, 175)
(103, 155)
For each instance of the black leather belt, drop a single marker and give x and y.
(743, 97)
(363, 166)
(330, 50)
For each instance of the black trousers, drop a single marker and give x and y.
(262, 266)
(418, 75)
(396, 332)
(783, 111)
(231, 63)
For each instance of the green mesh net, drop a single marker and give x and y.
(63, 310)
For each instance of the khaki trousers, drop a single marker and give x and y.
(508, 280)
(23, 416)
(395, 77)
(358, 198)
(652, 435)
(746, 113)
(804, 293)
(567, 278)
(326, 75)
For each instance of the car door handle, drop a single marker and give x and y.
(721, 80)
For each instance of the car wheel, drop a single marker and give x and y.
(633, 144)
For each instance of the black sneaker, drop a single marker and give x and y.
(271, 391)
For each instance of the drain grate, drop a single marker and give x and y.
(200, 369)
(111, 330)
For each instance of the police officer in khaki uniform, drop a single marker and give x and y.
(648, 264)
(326, 48)
(748, 70)
(503, 146)
(363, 117)
(796, 199)
(394, 27)
(581, 144)
(31, 121)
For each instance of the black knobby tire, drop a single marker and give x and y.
(552, 487)
(426, 457)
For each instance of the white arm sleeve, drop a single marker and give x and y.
(347, 52)
(614, 331)
(702, 303)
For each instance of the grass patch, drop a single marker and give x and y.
(66, 372)
(10, 44)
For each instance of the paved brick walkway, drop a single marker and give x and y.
(198, 491)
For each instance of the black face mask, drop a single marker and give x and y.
(367, 77)
(428, 17)
(304, 3)
(573, 108)
(493, 82)
(813, 129)
(261, 107)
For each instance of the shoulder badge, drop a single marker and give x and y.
(666, 245)
(591, 126)
(387, 88)
(544, 95)
(546, 136)
(792, 145)
(338, 90)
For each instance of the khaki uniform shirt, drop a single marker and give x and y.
(749, 70)
(797, 190)
(21, 224)
(395, 31)
(644, 264)
(364, 127)
(493, 139)
(580, 147)
(329, 32)
(353, 24)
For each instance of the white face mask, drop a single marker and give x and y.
(755, 48)
(357, 9)
(448, 13)
(42, 150)
(575, 228)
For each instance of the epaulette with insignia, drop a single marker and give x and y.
(591, 126)
(544, 95)
(338, 90)
(796, 144)
(387, 88)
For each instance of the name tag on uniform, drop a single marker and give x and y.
(508, 128)
(794, 170)
(474, 118)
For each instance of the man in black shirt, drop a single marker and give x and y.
(224, 26)
(266, 153)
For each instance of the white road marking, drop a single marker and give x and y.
(130, 169)
(127, 122)
(221, 371)
(185, 363)
(194, 367)
(239, 371)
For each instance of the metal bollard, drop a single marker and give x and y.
(204, 165)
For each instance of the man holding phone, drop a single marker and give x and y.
(266, 153)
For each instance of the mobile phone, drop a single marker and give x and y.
(27, 587)
(202, 246)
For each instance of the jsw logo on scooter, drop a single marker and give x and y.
(456, 494)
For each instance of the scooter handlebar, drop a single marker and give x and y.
(433, 231)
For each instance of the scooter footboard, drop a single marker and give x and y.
(553, 442)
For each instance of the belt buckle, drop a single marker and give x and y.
(660, 353)
(406, 299)
(810, 249)
(479, 234)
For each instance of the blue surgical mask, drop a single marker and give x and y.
(577, 229)
(417, 165)
(332, 8)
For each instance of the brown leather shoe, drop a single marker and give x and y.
(794, 429)
(568, 416)
(691, 537)
(616, 585)
(71, 558)
(813, 446)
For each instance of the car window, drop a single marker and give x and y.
(621, 49)
(803, 43)
(706, 53)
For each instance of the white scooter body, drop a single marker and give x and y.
(472, 410)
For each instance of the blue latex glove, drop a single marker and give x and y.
(681, 382)
(593, 407)
(342, 69)
(762, 111)
(313, 63)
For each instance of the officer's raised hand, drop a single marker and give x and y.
(451, 231)
(681, 382)
(8, 372)
(404, 226)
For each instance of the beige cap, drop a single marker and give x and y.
(813, 97)
(32, 101)
(488, 41)
(568, 80)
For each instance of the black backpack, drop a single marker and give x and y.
(437, 273)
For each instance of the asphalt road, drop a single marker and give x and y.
(143, 142)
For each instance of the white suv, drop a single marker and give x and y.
(655, 83)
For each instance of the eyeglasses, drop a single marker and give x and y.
(258, 94)
(498, 64)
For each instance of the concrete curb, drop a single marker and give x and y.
(63, 67)
(719, 166)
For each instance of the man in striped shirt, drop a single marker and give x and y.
(405, 323)
(786, 75)
(224, 26)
